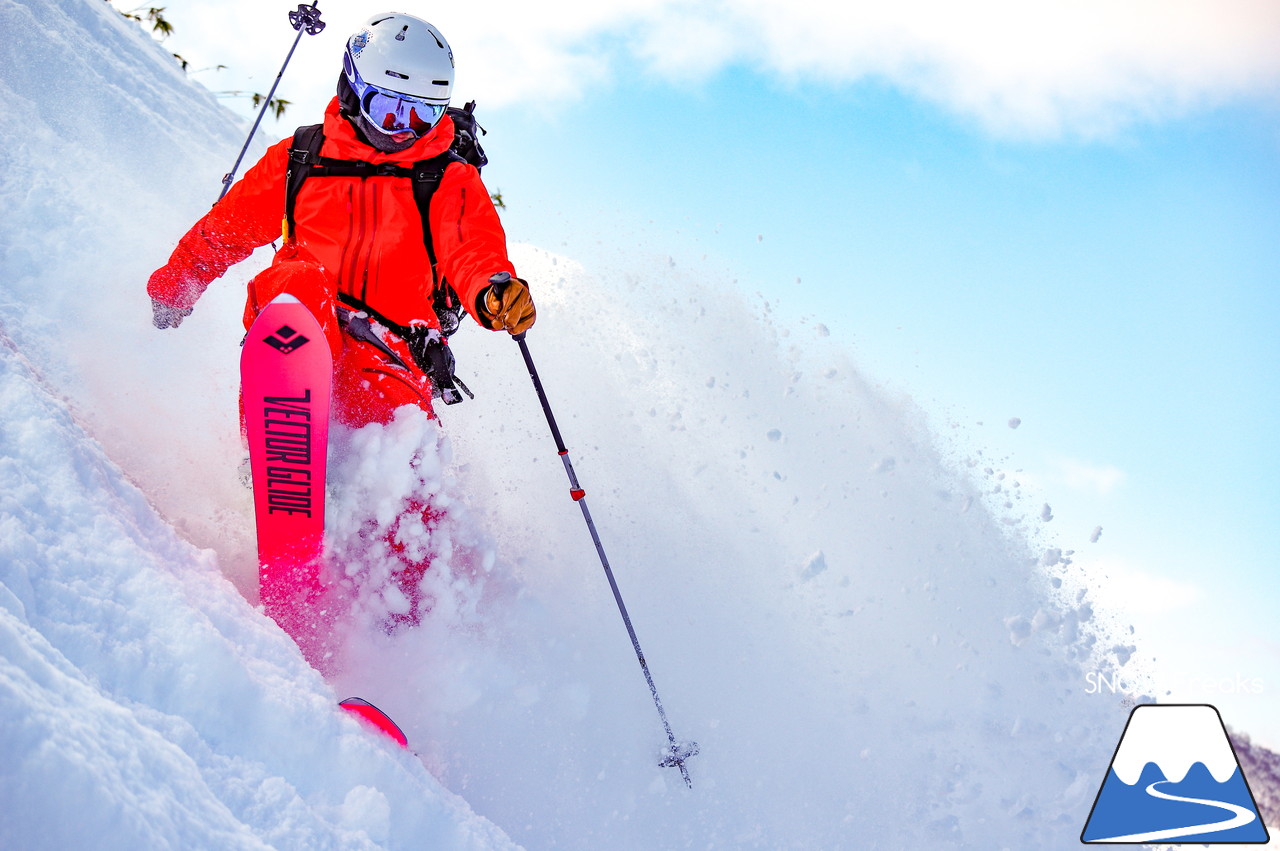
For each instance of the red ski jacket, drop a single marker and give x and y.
(364, 234)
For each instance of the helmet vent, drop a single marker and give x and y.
(397, 75)
(403, 30)
(439, 82)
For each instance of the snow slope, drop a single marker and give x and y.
(146, 704)
(869, 653)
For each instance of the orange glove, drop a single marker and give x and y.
(506, 305)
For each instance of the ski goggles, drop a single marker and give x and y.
(393, 112)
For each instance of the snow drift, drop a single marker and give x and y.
(868, 655)
(146, 704)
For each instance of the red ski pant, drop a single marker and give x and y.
(368, 387)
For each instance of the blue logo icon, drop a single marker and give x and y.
(1174, 778)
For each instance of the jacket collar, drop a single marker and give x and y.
(342, 142)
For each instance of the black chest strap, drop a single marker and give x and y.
(305, 162)
(428, 348)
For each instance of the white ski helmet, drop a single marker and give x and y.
(398, 55)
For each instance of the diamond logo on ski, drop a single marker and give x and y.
(286, 339)
(1174, 779)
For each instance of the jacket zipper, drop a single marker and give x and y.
(362, 207)
(374, 191)
(345, 274)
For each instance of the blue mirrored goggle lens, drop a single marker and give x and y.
(395, 113)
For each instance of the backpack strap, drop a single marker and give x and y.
(427, 175)
(305, 161)
(304, 152)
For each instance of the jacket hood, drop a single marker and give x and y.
(342, 142)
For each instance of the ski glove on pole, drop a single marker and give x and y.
(506, 305)
(165, 316)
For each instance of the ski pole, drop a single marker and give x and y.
(305, 19)
(677, 752)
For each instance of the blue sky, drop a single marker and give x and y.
(1064, 214)
(1117, 295)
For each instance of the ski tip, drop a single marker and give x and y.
(285, 298)
(376, 718)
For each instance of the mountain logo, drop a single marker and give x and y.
(286, 339)
(1174, 778)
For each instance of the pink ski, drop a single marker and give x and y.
(376, 719)
(286, 372)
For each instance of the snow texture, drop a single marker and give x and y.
(1262, 768)
(147, 705)
(867, 648)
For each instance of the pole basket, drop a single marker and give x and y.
(308, 17)
(675, 756)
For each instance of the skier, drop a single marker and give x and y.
(354, 250)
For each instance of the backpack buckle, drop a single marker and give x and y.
(426, 174)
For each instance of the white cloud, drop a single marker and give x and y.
(1031, 67)
(1028, 66)
(1020, 67)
